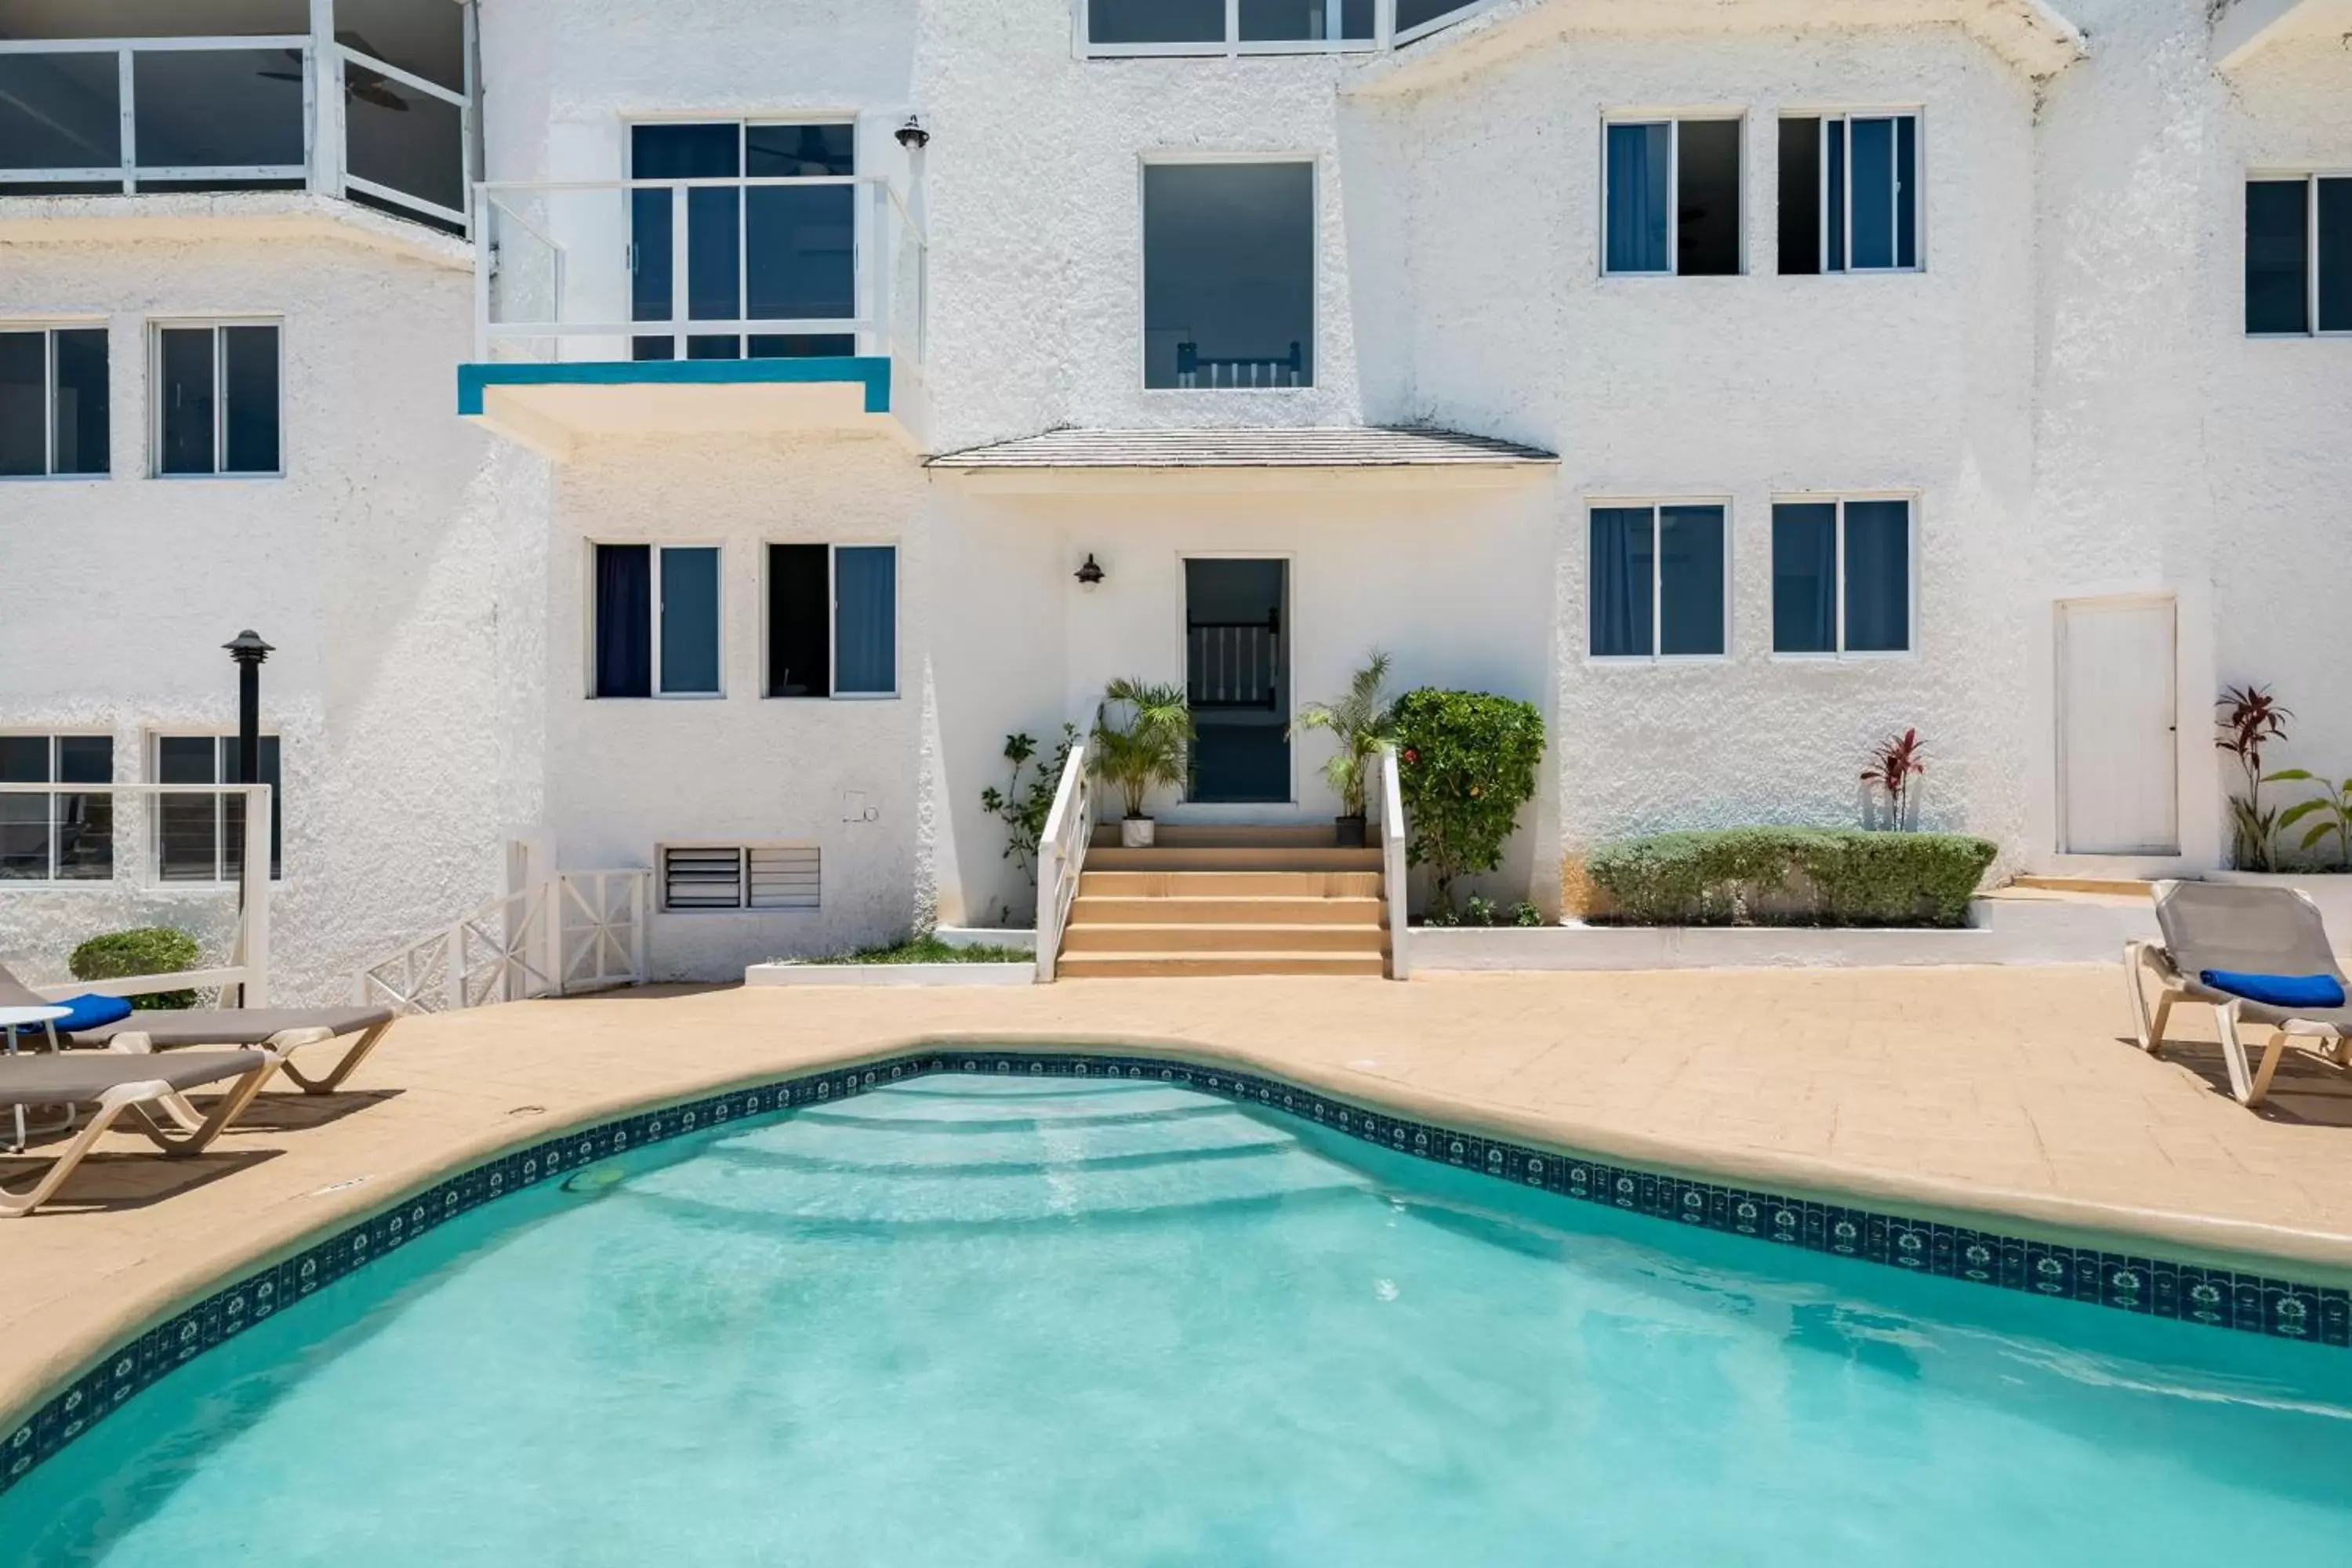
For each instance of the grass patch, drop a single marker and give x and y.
(925, 949)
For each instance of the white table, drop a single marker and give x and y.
(9, 1018)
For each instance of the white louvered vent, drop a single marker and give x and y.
(785, 876)
(726, 877)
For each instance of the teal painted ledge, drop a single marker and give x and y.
(870, 371)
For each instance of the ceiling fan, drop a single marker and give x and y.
(367, 86)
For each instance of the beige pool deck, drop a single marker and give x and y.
(2006, 1094)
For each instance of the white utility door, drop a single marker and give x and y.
(2118, 765)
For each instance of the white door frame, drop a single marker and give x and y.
(1243, 810)
(2059, 609)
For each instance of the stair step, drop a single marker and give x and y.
(2123, 886)
(1103, 882)
(1264, 910)
(1229, 835)
(1151, 937)
(1114, 965)
(1233, 858)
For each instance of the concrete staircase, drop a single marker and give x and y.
(1227, 900)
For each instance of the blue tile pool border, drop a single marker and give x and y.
(2154, 1286)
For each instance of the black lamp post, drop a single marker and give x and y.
(248, 650)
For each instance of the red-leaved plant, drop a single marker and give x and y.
(1891, 768)
(2250, 718)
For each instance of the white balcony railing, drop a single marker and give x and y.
(231, 112)
(698, 269)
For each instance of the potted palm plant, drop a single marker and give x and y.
(1142, 740)
(1363, 722)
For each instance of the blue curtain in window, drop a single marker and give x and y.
(1619, 591)
(1877, 576)
(866, 619)
(1906, 191)
(1690, 579)
(689, 620)
(1804, 577)
(1638, 162)
(1874, 193)
(625, 611)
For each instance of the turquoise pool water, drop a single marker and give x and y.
(983, 1321)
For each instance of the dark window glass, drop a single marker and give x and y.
(1706, 197)
(2278, 255)
(801, 246)
(249, 381)
(60, 112)
(707, 346)
(689, 620)
(2336, 255)
(1804, 577)
(24, 403)
(700, 151)
(1640, 157)
(803, 345)
(1690, 580)
(682, 152)
(803, 151)
(24, 818)
(233, 808)
(866, 591)
(188, 825)
(714, 254)
(1297, 20)
(1156, 21)
(218, 108)
(1412, 14)
(800, 621)
(1877, 576)
(1801, 196)
(81, 411)
(1874, 193)
(1624, 556)
(624, 613)
(84, 822)
(1229, 274)
(1834, 245)
(1906, 191)
(651, 264)
(186, 400)
(402, 138)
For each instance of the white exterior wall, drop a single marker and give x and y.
(370, 565)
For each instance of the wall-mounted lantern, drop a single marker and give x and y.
(912, 136)
(1089, 575)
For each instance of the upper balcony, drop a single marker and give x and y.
(698, 304)
(365, 101)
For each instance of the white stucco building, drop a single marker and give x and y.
(669, 435)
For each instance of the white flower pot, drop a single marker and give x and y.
(1135, 832)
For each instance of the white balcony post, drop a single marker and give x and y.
(253, 928)
(326, 82)
(125, 80)
(884, 266)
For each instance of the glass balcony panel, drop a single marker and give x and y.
(1412, 14)
(714, 226)
(801, 249)
(1156, 21)
(397, 137)
(423, 40)
(213, 109)
(1294, 21)
(60, 112)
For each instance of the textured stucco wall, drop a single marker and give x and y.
(370, 565)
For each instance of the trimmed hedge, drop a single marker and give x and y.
(1792, 876)
(148, 950)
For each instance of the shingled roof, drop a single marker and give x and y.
(1370, 447)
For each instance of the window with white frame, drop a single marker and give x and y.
(654, 616)
(64, 837)
(1849, 193)
(1226, 26)
(1842, 576)
(1671, 196)
(201, 837)
(740, 877)
(53, 412)
(2298, 254)
(1655, 581)
(832, 620)
(216, 392)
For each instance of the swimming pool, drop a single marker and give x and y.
(1037, 1320)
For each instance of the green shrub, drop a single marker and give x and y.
(1792, 876)
(1466, 763)
(148, 950)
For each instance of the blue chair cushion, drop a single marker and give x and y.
(2278, 990)
(88, 1012)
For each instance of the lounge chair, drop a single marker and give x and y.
(112, 1082)
(281, 1030)
(2212, 927)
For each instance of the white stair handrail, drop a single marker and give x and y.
(1393, 867)
(1062, 855)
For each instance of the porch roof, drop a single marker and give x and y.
(1367, 446)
